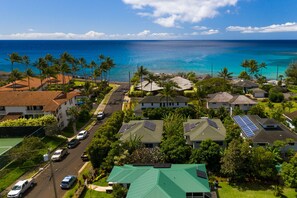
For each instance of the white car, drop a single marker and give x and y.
(59, 154)
(82, 135)
(21, 187)
(100, 115)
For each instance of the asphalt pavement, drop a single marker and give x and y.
(72, 163)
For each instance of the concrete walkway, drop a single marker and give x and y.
(99, 188)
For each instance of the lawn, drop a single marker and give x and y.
(101, 182)
(13, 171)
(92, 193)
(251, 190)
(275, 105)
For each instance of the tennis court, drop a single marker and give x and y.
(8, 143)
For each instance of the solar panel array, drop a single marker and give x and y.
(201, 174)
(212, 123)
(246, 125)
(149, 125)
(126, 127)
(189, 126)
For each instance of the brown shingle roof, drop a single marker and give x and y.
(50, 100)
(291, 115)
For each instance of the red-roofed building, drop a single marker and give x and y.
(35, 103)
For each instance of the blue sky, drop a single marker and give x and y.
(148, 19)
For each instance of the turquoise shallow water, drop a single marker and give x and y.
(163, 56)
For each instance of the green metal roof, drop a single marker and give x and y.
(202, 130)
(137, 128)
(147, 181)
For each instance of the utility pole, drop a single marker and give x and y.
(52, 174)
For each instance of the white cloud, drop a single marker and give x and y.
(210, 32)
(169, 13)
(31, 30)
(91, 35)
(199, 28)
(286, 27)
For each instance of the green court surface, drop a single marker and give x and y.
(8, 143)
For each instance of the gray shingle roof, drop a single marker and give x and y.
(159, 99)
(150, 131)
(202, 129)
(241, 99)
(220, 97)
(246, 83)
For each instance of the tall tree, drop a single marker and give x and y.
(168, 91)
(291, 72)
(225, 74)
(93, 65)
(83, 64)
(73, 114)
(289, 172)
(235, 161)
(141, 71)
(41, 65)
(208, 153)
(14, 58)
(150, 78)
(28, 71)
(14, 76)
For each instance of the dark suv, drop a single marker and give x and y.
(72, 143)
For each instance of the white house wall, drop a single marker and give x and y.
(164, 104)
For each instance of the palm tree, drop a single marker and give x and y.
(73, 113)
(93, 65)
(14, 76)
(41, 65)
(225, 74)
(141, 71)
(14, 58)
(83, 64)
(110, 64)
(245, 64)
(150, 78)
(262, 66)
(28, 71)
(168, 90)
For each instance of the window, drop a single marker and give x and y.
(152, 104)
(213, 103)
(142, 104)
(245, 105)
(177, 103)
(186, 103)
(2, 108)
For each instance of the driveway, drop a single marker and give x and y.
(72, 163)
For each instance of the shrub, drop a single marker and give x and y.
(276, 96)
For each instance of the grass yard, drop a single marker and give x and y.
(95, 194)
(249, 190)
(269, 111)
(101, 182)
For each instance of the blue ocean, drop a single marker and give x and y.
(201, 57)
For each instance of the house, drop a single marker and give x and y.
(159, 101)
(162, 180)
(242, 102)
(149, 131)
(37, 103)
(245, 85)
(218, 100)
(228, 101)
(148, 86)
(265, 131)
(198, 130)
(183, 83)
(290, 117)
(34, 83)
(259, 93)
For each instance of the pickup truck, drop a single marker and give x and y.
(21, 187)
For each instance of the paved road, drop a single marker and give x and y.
(72, 163)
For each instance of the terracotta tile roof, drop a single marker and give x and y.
(22, 85)
(50, 100)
